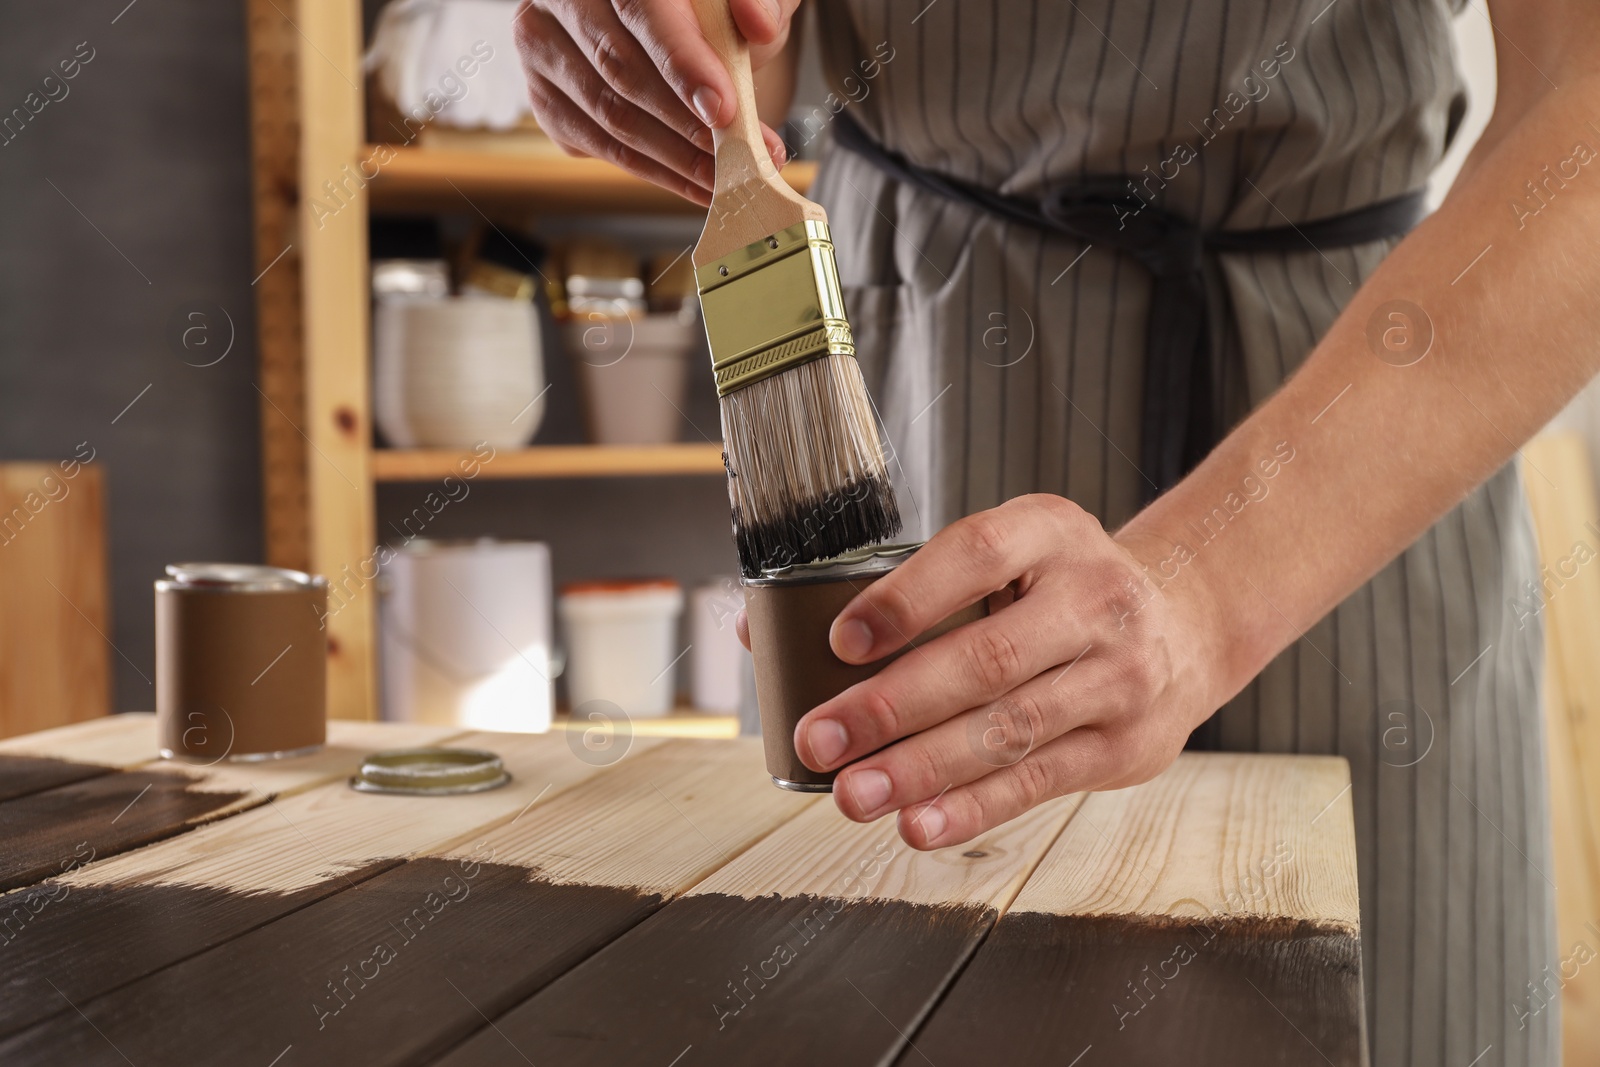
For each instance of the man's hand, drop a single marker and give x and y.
(1091, 677)
(635, 82)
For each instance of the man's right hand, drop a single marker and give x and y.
(636, 82)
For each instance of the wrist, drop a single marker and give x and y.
(1210, 643)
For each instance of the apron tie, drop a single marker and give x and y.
(1181, 419)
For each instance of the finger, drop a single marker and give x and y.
(573, 129)
(670, 34)
(1070, 764)
(763, 22)
(965, 668)
(966, 560)
(775, 146)
(741, 627)
(564, 65)
(964, 748)
(611, 51)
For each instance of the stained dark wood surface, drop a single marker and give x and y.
(21, 775)
(670, 909)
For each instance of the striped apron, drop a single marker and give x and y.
(1008, 359)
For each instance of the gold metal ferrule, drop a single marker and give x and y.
(772, 305)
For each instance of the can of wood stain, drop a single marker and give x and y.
(790, 612)
(241, 662)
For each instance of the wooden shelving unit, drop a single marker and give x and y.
(320, 469)
(551, 461)
(422, 179)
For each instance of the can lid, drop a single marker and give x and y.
(430, 771)
(874, 559)
(239, 577)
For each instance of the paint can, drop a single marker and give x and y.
(790, 612)
(241, 662)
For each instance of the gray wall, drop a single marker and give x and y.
(150, 145)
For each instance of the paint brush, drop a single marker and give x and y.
(806, 471)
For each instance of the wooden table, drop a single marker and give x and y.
(670, 909)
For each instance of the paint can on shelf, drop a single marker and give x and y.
(241, 662)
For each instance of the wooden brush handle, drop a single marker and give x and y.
(749, 201)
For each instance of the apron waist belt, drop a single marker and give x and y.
(1180, 418)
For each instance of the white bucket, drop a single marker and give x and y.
(717, 662)
(622, 644)
(465, 631)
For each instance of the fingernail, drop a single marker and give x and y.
(776, 12)
(931, 820)
(852, 638)
(707, 104)
(870, 790)
(827, 741)
(780, 156)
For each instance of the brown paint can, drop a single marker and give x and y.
(241, 662)
(790, 612)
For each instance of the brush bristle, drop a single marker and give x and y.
(806, 472)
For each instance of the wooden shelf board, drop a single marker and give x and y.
(550, 461)
(681, 722)
(419, 178)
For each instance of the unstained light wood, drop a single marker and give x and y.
(211, 885)
(55, 629)
(552, 461)
(1566, 518)
(332, 234)
(435, 179)
(1208, 917)
(522, 902)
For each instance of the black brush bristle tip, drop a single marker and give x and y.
(863, 513)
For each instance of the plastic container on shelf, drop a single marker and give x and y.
(622, 643)
(465, 630)
(717, 662)
(396, 283)
(471, 370)
(634, 372)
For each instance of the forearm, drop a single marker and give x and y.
(1381, 451)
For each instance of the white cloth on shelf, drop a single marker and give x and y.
(451, 62)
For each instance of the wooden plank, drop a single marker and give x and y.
(1560, 485)
(431, 179)
(825, 943)
(1207, 917)
(552, 461)
(109, 741)
(54, 648)
(99, 927)
(74, 824)
(274, 170)
(683, 722)
(470, 929)
(338, 420)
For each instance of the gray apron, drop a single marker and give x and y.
(1008, 359)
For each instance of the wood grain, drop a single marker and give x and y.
(825, 943)
(54, 652)
(274, 45)
(1207, 917)
(102, 926)
(749, 201)
(338, 421)
(1566, 519)
(88, 820)
(500, 930)
(110, 741)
